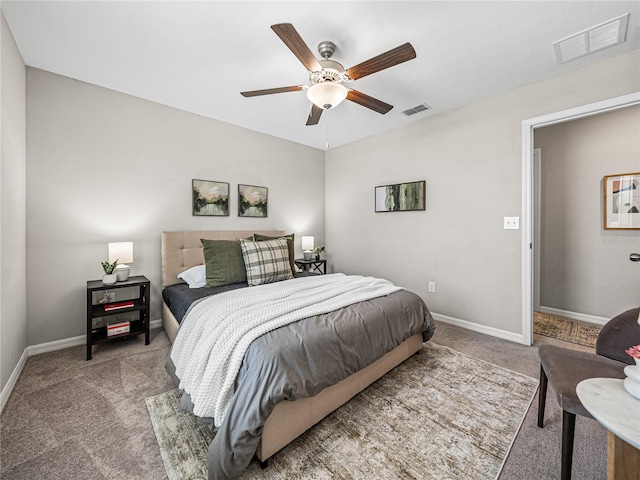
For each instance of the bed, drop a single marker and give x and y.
(295, 413)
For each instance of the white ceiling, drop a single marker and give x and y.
(198, 56)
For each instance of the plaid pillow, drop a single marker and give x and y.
(290, 240)
(266, 261)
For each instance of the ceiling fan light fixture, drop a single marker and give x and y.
(327, 95)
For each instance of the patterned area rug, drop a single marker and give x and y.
(582, 333)
(439, 415)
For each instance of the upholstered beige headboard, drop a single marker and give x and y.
(183, 250)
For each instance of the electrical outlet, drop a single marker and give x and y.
(432, 287)
(512, 223)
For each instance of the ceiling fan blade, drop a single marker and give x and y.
(294, 41)
(369, 102)
(388, 59)
(314, 115)
(269, 91)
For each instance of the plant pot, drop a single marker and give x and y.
(109, 279)
(317, 258)
(632, 382)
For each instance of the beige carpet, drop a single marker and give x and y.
(581, 333)
(56, 423)
(440, 414)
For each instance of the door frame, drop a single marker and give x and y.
(537, 224)
(529, 231)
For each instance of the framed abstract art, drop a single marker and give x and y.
(401, 197)
(622, 201)
(210, 198)
(252, 201)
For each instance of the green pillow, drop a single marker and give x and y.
(260, 238)
(224, 262)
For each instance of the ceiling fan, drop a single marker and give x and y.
(327, 76)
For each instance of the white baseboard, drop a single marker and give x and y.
(32, 350)
(580, 317)
(56, 345)
(8, 388)
(494, 332)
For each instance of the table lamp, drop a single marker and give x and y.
(307, 247)
(123, 253)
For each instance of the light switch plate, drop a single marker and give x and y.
(512, 223)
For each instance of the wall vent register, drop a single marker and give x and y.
(417, 109)
(607, 34)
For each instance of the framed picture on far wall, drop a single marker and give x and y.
(252, 201)
(622, 201)
(401, 197)
(210, 198)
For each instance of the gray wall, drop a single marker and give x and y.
(104, 166)
(471, 159)
(13, 297)
(584, 268)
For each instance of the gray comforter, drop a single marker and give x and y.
(303, 358)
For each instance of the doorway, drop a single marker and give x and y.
(529, 230)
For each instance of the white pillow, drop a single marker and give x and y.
(196, 277)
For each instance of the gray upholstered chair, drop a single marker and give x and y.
(563, 369)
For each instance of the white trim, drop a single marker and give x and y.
(8, 388)
(56, 345)
(494, 332)
(46, 347)
(527, 228)
(527, 189)
(584, 110)
(537, 223)
(580, 317)
(72, 342)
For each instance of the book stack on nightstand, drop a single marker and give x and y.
(108, 318)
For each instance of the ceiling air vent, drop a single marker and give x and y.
(591, 40)
(417, 109)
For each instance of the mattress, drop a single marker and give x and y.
(180, 297)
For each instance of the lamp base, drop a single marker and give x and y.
(307, 254)
(122, 272)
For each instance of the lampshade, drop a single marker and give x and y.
(121, 251)
(327, 95)
(307, 243)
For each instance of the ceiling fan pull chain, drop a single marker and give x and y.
(327, 144)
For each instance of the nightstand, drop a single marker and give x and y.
(117, 311)
(312, 266)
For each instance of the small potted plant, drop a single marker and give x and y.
(109, 277)
(634, 352)
(317, 252)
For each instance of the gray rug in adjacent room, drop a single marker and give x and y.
(439, 415)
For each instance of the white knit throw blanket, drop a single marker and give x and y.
(216, 333)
